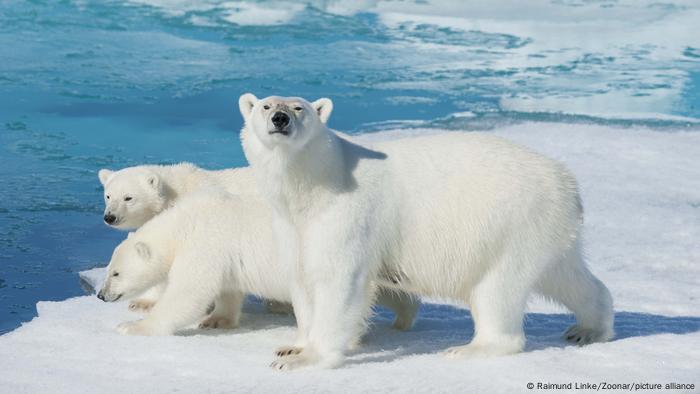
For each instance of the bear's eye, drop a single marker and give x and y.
(127, 198)
(266, 106)
(298, 108)
(115, 274)
(108, 196)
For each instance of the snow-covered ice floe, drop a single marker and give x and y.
(641, 193)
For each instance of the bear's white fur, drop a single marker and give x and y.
(464, 216)
(211, 246)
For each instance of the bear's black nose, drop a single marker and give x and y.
(109, 218)
(101, 296)
(280, 120)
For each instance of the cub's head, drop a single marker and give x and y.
(134, 268)
(132, 197)
(284, 121)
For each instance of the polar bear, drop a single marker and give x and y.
(135, 195)
(211, 246)
(464, 216)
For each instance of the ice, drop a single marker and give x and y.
(576, 57)
(248, 13)
(92, 279)
(641, 193)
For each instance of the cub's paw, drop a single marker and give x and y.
(217, 322)
(285, 351)
(143, 306)
(134, 328)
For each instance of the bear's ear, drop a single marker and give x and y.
(143, 250)
(246, 104)
(131, 233)
(153, 181)
(104, 175)
(323, 107)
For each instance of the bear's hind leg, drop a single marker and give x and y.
(497, 306)
(404, 305)
(227, 311)
(572, 284)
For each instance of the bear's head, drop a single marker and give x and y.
(132, 197)
(284, 121)
(134, 268)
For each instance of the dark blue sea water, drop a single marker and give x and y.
(89, 84)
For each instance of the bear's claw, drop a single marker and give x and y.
(294, 361)
(285, 351)
(582, 336)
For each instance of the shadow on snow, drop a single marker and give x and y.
(438, 327)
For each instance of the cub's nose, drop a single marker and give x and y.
(101, 295)
(109, 218)
(280, 120)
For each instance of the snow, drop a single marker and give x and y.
(641, 193)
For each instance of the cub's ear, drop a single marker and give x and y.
(104, 175)
(153, 181)
(323, 107)
(129, 235)
(143, 250)
(246, 103)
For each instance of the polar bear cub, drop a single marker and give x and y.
(211, 246)
(463, 216)
(134, 195)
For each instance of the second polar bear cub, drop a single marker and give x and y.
(463, 216)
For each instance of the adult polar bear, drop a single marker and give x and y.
(465, 216)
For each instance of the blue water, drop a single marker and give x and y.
(91, 84)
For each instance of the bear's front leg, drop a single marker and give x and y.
(286, 249)
(337, 278)
(303, 313)
(191, 284)
(145, 303)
